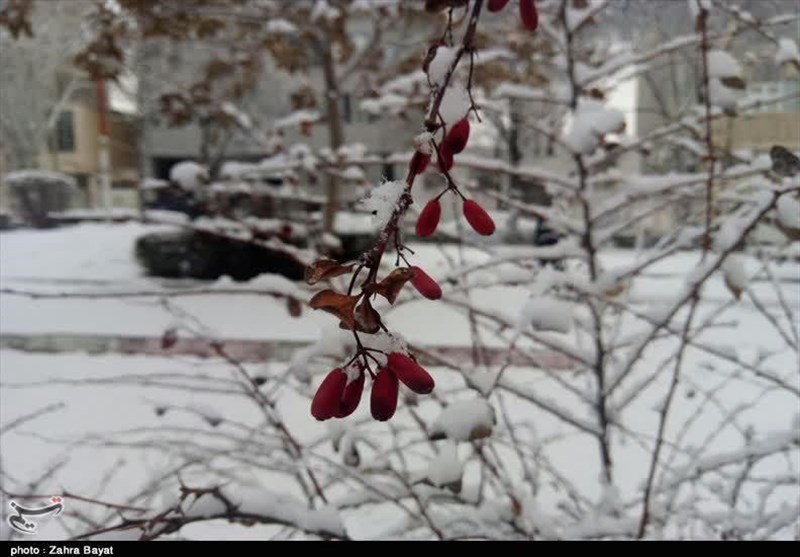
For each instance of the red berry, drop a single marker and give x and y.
(425, 285)
(429, 218)
(383, 400)
(329, 394)
(410, 373)
(418, 163)
(478, 219)
(496, 5)
(351, 397)
(445, 157)
(458, 136)
(529, 14)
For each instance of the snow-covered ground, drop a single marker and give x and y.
(146, 415)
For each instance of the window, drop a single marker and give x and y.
(766, 90)
(65, 132)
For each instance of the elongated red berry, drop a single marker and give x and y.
(351, 397)
(478, 219)
(429, 218)
(410, 373)
(329, 395)
(383, 400)
(496, 5)
(529, 14)
(418, 163)
(425, 285)
(458, 136)
(445, 157)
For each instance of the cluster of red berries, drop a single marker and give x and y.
(340, 392)
(338, 396)
(527, 11)
(454, 142)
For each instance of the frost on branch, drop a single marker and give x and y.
(382, 201)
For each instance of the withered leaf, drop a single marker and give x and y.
(480, 431)
(734, 82)
(325, 269)
(367, 319)
(294, 307)
(340, 305)
(596, 93)
(516, 507)
(391, 285)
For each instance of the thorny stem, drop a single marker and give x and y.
(372, 257)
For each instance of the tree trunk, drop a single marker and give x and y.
(336, 134)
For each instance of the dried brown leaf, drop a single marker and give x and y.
(391, 285)
(367, 319)
(325, 269)
(734, 82)
(340, 305)
(294, 307)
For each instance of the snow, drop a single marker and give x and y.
(788, 209)
(577, 16)
(787, 51)
(234, 170)
(547, 314)
(437, 70)
(445, 469)
(424, 143)
(382, 201)
(266, 505)
(46, 177)
(698, 6)
(526, 92)
(406, 83)
(95, 214)
(188, 174)
(106, 386)
(281, 26)
(735, 274)
(390, 102)
(154, 184)
(353, 173)
(455, 103)
(591, 121)
(723, 96)
(296, 118)
(721, 65)
(352, 151)
(323, 10)
(237, 114)
(465, 420)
